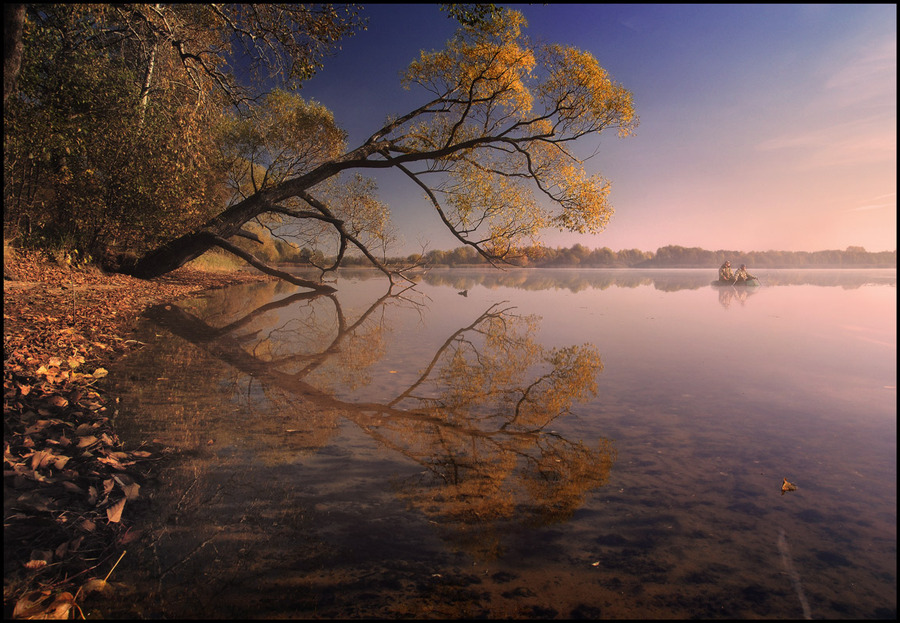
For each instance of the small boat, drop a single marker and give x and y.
(748, 283)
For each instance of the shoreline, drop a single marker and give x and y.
(71, 490)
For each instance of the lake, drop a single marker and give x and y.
(519, 444)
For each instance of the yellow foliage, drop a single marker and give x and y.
(504, 113)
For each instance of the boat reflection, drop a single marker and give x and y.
(732, 294)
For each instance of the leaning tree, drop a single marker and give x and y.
(491, 150)
(492, 147)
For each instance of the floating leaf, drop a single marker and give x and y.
(114, 512)
(787, 486)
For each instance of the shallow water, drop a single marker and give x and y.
(555, 443)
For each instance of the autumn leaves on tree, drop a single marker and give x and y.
(156, 143)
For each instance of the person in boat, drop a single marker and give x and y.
(725, 273)
(742, 275)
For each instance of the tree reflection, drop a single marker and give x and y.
(477, 419)
(667, 280)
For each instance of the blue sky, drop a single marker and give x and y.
(762, 126)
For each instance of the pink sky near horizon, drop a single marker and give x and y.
(763, 127)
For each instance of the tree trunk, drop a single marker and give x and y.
(179, 251)
(13, 27)
(170, 256)
(176, 253)
(148, 81)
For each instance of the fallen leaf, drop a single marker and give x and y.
(128, 537)
(41, 554)
(72, 487)
(86, 441)
(131, 491)
(35, 564)
(40, 458)
(114, 512)
(29, 604)
(95, 586)
(108, 460)
(57, 401)
(58, 609)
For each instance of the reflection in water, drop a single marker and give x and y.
(668, 280)
(369, 456)
(476, 420)
(731, 294)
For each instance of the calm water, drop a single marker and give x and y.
(572, 444)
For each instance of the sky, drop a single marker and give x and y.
(762, 127)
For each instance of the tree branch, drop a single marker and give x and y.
(265, 268)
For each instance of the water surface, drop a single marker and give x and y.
(552, 443)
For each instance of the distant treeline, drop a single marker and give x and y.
(672, 256)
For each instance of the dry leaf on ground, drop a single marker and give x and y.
(114, 512)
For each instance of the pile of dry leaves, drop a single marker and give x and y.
(69, 485)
